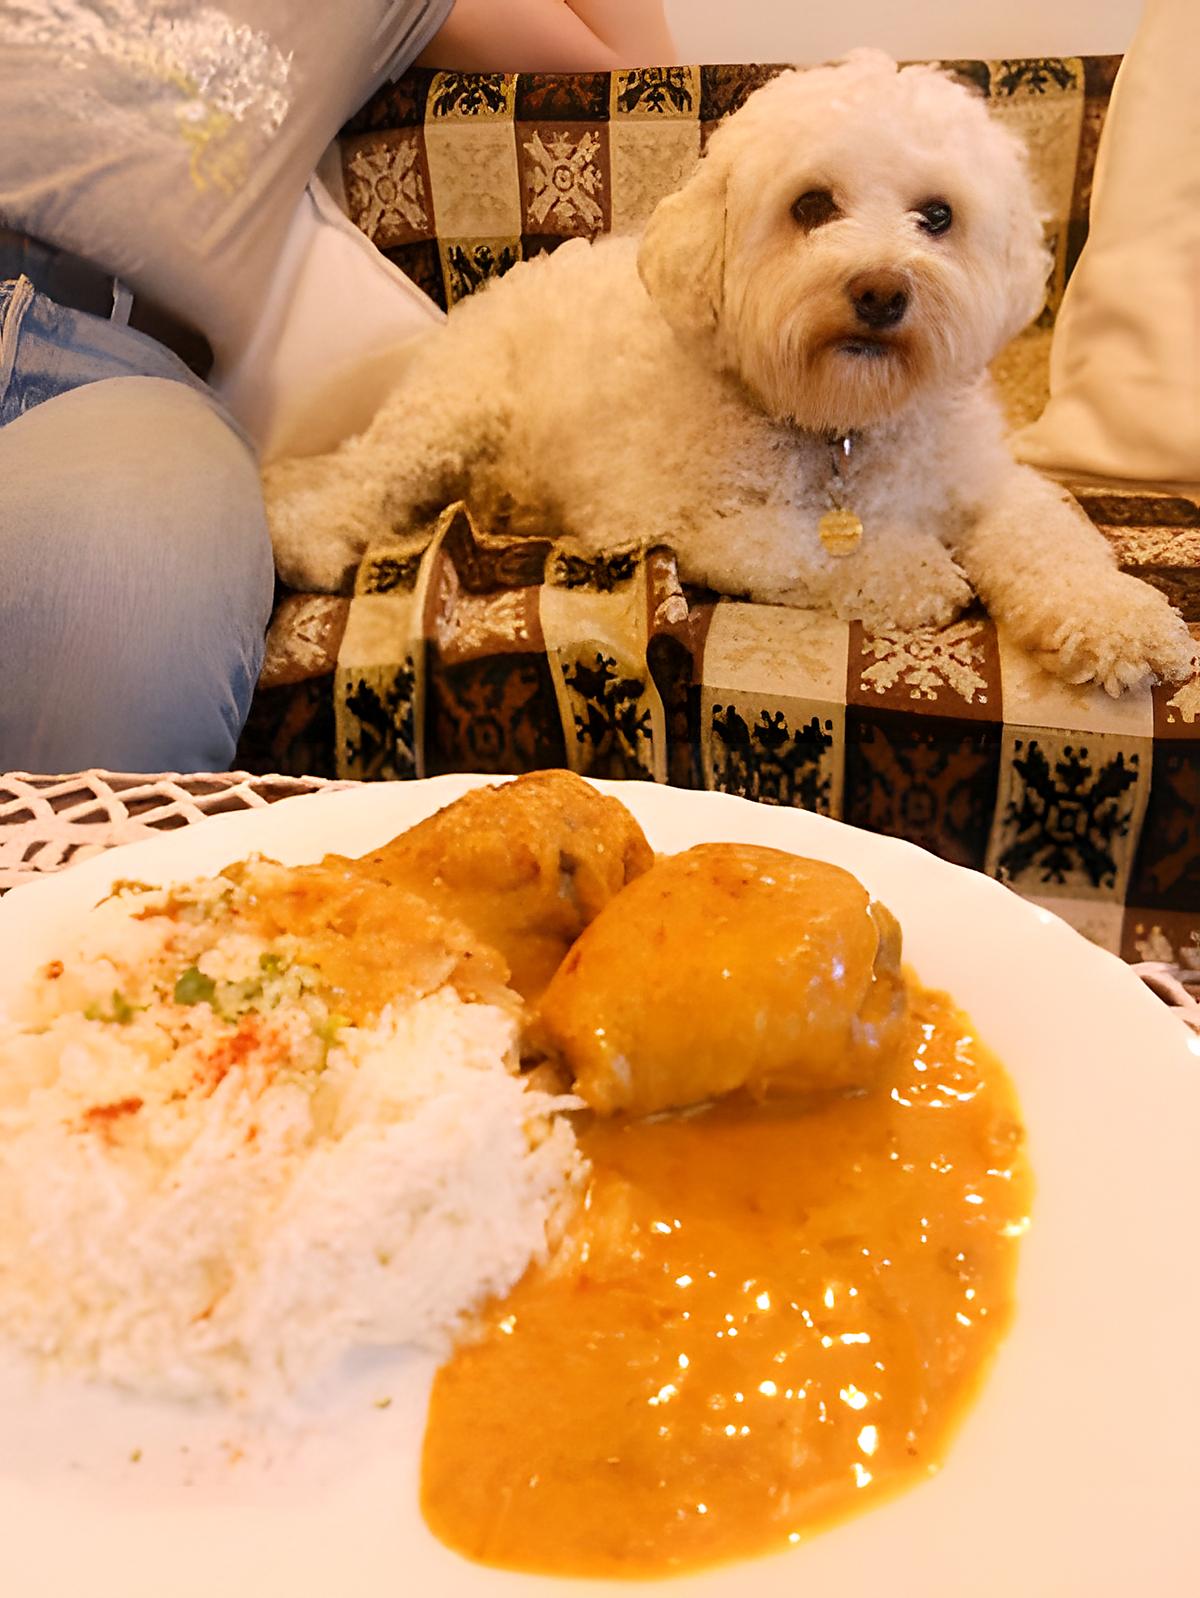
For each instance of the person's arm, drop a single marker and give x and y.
(551, 36)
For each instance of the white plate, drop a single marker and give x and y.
(1075, 1473)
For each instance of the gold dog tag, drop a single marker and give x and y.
(840, 531)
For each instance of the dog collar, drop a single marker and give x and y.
(840, 528)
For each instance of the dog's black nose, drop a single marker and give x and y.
(880, 299)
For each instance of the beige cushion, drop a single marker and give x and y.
(332, 339)
(1125, 361)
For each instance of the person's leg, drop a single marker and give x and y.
(135, 581)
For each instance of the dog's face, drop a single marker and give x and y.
(854, 236)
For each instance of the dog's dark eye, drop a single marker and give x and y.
(935, 216)
(814, 209)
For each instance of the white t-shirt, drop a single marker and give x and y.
(169, 142)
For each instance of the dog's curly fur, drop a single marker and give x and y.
(682, 389)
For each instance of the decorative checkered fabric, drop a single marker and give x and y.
(457, 176)
(466, 651)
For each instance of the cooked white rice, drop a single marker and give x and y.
(210, 1185)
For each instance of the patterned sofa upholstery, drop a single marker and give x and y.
(464, 649)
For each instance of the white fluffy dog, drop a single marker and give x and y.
(804, 328)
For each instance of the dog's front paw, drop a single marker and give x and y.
(939, 594)
(1129, 636)
(318, 533)
(327, 567)
(902, 586)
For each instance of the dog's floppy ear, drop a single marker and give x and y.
(1028, 263)
(682, 256)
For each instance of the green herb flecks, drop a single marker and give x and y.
(237, 997)
(193, 987)
(121, 1014)
(327, 1032)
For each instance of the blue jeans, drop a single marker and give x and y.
(136, 578)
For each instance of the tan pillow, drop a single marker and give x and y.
(338, 324)
(1125, 360)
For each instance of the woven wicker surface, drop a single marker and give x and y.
(47, 823)
(50, 822)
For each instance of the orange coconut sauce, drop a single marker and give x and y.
(763, 1320)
